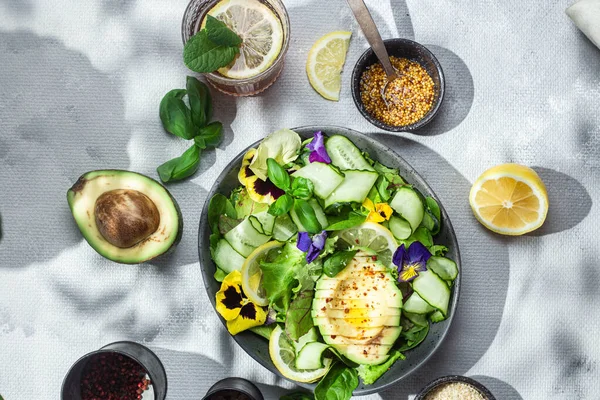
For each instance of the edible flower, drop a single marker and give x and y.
(317, 148)
(239, 312)
(260, 191)
(312, 247)
(412, 261)
(377, 212)
(281, 145)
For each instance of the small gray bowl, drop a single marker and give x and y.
(256, 346)
(454, 378)
(402, 48)
(236, 385)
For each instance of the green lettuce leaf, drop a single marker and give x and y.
(370, 373)
(279, 275)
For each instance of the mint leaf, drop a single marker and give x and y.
(175, 115)
(201, 54)
(180, 167)
(200, 101)
(220, 33)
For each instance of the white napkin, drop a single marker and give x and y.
(586, 16)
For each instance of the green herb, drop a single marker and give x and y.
(213, 47)
(175, 116)
(264, 330)
(296, 396)
(180, 167)
(413, 337)
(227, 223)
(278, 175)
(382, 188)
(302, 188)
(423, 235)
(438, 250)
(219, 205)
(298, 319)
(370, 373)
(282, 205)
(337, 262)
(306, 215)
(352, 219)
(338, 384)
(188, 123)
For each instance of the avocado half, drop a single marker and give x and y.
(125, 216)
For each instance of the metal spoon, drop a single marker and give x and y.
(367, 25)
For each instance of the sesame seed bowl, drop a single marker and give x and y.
(419, 56)
(466, 388)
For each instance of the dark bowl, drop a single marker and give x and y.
(256, 346)
(413, 51)
(454, 378)
(238, 385)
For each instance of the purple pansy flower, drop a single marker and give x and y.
(313, 246)
(271, 316)
(412, 261)
(317, 148)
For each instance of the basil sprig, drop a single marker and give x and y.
(213, 47)
(188, 123)
(297, 192)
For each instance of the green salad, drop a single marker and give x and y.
(329, 255)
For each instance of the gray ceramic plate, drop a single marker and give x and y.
(256, 346)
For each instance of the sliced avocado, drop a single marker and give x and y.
(358, 311)
(125, 216)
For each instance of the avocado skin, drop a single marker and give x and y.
(81, 184)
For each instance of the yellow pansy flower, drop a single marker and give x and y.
(239, 312)
(377, 212)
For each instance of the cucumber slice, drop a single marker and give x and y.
(400, 227)
(321, 217)
(416, 305)
(244, 238)
(408, 204)
(429, 222)
(311, 356)
(227, 258)
(263, 222)
(345, 155)
(417, 319)
(437, 316)
(433, 290)
(354, 188)
(308, 337)
(284, 228)
(444, 267)
(324, 177)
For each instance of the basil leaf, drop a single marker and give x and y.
(220, 33)
(200, 101)
(175, 115)
(219, 205)
(307, 217)
(180, 167)
(200, 54)
(278, 175)
(338, 384)
(302, 188)
(298, 319)
(200, 142)
(297, 395)
(211, 134)
(282, 205)
(353, 219)
(337, 262)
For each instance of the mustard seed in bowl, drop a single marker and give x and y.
(409, 97)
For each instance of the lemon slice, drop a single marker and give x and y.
(374, 236)
(325, 62)
(509, 199)
(283, 356)
(261, 33)
(252, 274)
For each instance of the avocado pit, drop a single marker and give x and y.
(125, 217)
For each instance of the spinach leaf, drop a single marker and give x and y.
(370, 373)
(338, 384)
(227, 223)
(423, 235)
(176, 116)
(282, 205)
(296, 396)
(413, 337)
(278, 175)
(200, 54)
(337, 262)
(302, 188)
(306, 215)
(200, 101)
(298, 319)
(219, 33)
(180, 167)
(210, 135)
(353, 219)
(219, 205)
(264, 330)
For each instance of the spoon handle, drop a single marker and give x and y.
(367, 25)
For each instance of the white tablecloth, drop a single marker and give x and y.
(80, 85)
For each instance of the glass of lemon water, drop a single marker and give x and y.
(264, 27)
